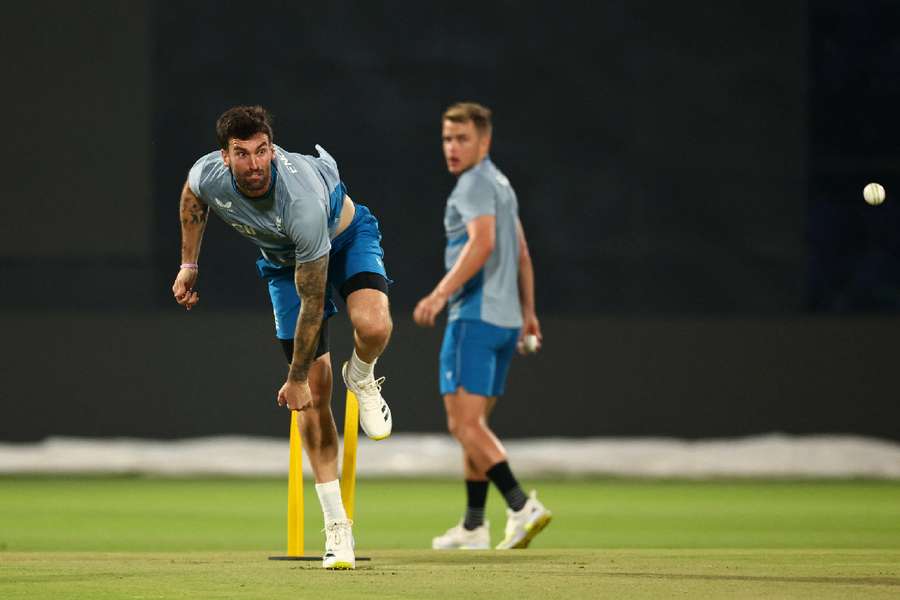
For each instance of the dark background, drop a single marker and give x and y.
(689, 178)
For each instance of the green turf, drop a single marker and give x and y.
(209, 538)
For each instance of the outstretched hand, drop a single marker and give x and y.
(183, 288)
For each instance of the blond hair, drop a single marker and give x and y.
(463, 112)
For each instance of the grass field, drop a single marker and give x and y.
(102, 538)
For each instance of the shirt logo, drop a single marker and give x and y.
(279, 225)
(225, 205)
(284, 160)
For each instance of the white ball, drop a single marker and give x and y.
(874, 194)
(530, 344)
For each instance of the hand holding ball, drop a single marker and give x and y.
(529, 344)
(874, 194)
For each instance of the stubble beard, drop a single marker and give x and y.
(253, 188)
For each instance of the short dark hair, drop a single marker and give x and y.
(462, 112)
(243, 122)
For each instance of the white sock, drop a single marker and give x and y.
(330, 499)
(359, 370)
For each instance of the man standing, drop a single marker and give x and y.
(489, 286)
(311, 236)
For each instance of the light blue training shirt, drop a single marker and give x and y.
(492, 294)
(296, 219)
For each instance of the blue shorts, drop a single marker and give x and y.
(475, 356)
(356, 250)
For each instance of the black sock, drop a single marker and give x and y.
(503, 478)
(476, 498)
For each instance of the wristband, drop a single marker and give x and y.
(193, 266)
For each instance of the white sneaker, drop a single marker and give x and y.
(460, 538)
(339, 545)
(374, 414)
(522, 526)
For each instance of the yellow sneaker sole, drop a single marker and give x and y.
(534, 529)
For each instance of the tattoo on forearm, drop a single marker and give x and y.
(193, 221)
(193, 212)
(310, 278)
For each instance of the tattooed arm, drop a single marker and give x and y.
(193, 222)
(310, 278)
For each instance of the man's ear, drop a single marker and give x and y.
(225, 158)
(486, 142)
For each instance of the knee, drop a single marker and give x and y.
(452, 425)
(374, 329)
(461, 429)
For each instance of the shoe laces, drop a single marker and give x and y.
(371, 387)
(335, 530)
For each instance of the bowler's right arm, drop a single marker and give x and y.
(194, 215)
